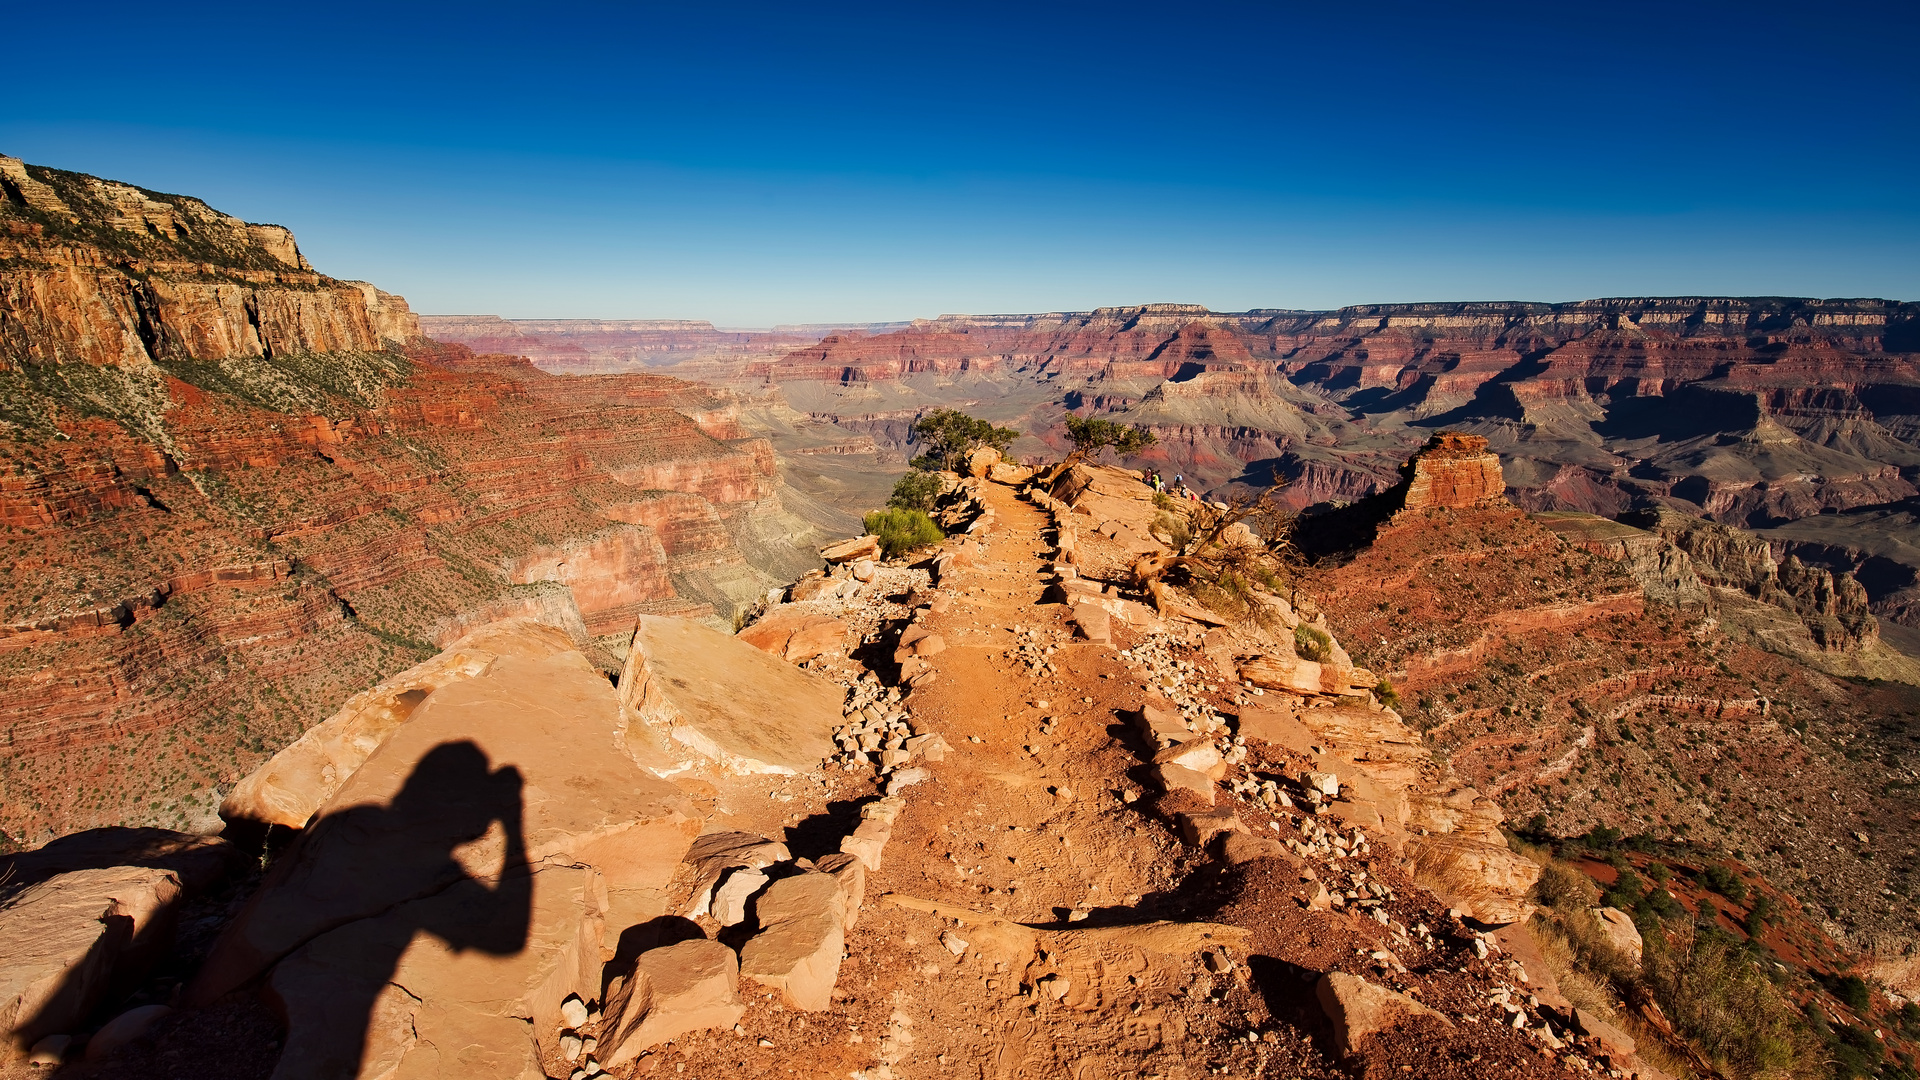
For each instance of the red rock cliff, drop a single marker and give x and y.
(228, 503)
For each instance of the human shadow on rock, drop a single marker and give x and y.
(337, 913)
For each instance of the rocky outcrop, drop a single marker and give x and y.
(1452, 470)
(224, 521)
(725, 699)
(504, 818)
(1835, 608)
(68, 937)
(100, 272)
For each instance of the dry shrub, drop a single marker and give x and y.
(1712, 991)
(1444, 867)
(1717, 996)
(1560, 887)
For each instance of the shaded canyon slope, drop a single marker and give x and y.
(1672, 682)
(1796, 417)
(234, 491)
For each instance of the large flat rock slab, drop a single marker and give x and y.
(64, 940)
(292, 786)
(746, 710)
(493, 785)
(468, 982)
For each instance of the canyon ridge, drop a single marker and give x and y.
(1495, 689)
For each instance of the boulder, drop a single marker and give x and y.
(1617, 928)
(851, 873)
(1172, 778)
(1359, 1009)
(980, 462)
(464, 880)
(802, 932)
(1093, 623)
(1243, 847)
(1160, 727)
(1009, 473)
(860, 547)
(713, 854)
(726, 700)
(931, 746)
(66, 940)
(123, 1029)
(730, 898)
(1198, 754)
(917, 640)
(794, 637)
(691, 986)
(864, 570)
(819, 588)
(870, 837)
(1199, 829)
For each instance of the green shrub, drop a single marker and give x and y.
(1092, 434)
(1176, 529)
(1386, 693)
(1725, 882)
(1853, 993)
(1312, 643)
(1163, 500)
(902, 530)
(1722, 1002)
(950, 435)
(1757, 919)
(915, 491)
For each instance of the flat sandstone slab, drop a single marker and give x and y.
(750, 711)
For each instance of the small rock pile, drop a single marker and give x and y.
(879, 732)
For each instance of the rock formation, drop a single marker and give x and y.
(106, 273)
(725, 858)
(1452, 470)
(1757, 412)
(234, 501)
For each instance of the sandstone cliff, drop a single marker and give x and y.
(100, 272)
(230, 500)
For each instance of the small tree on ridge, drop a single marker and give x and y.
(1092, 434)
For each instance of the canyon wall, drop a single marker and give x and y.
(1760, 413)
(234, 492)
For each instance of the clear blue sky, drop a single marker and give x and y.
(801, 162)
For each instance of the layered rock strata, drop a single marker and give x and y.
(231, 501)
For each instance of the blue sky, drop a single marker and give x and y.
(753, 165)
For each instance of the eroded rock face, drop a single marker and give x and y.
(1453, 470)
(213, 286)
(187, 387)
